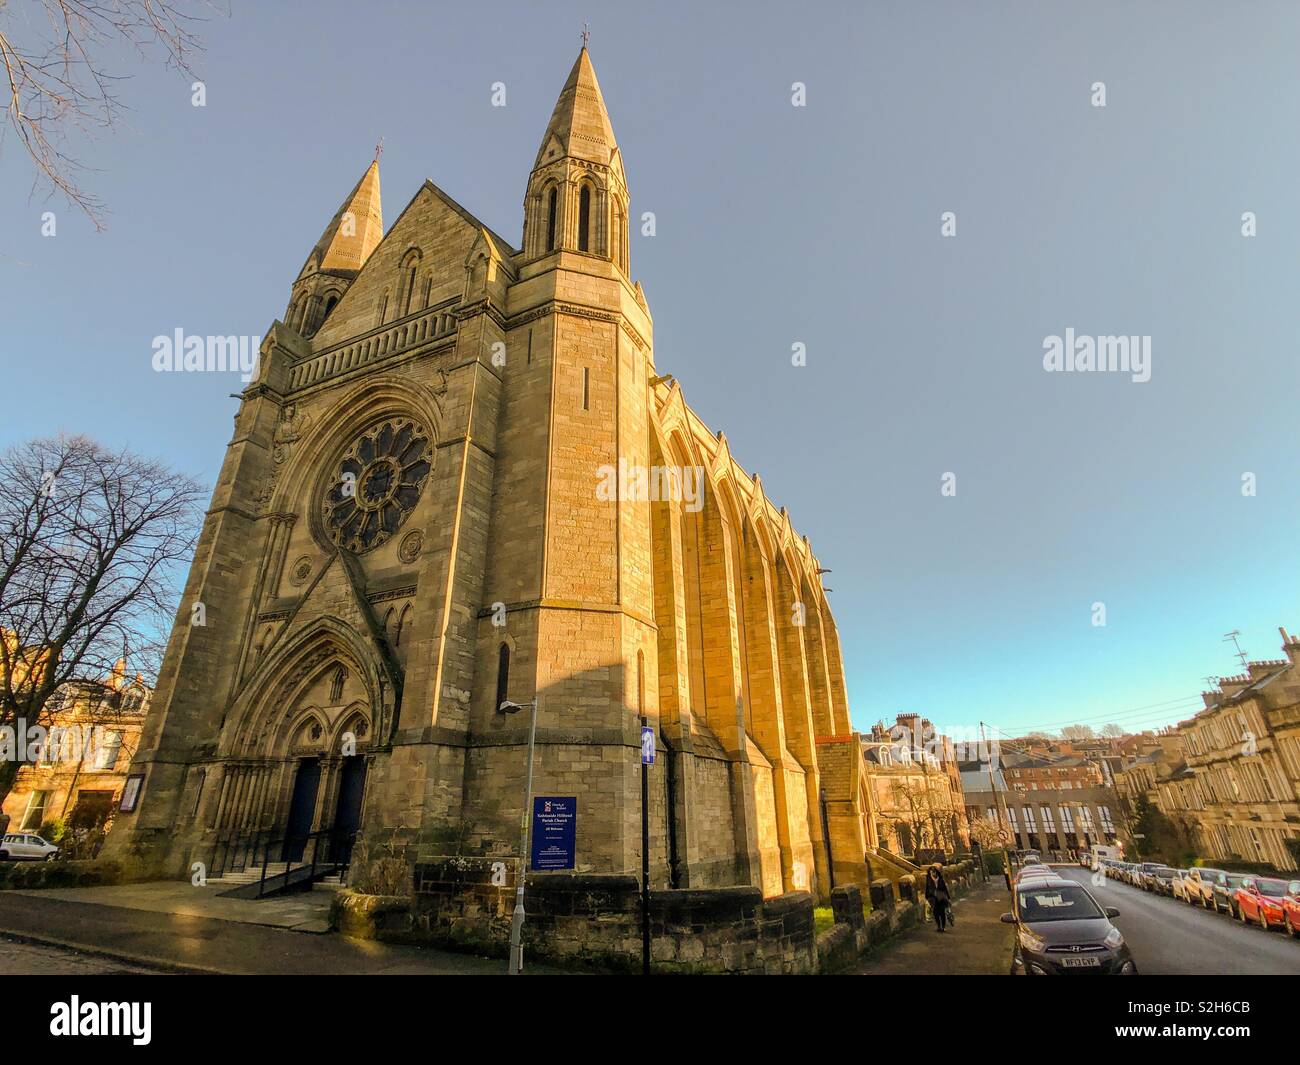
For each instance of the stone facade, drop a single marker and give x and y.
(1232, 783)
(409, 527)
(92, 732)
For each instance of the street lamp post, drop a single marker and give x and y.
(517, 920)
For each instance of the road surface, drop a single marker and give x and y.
(1167, 936)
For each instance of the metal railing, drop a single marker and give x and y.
(301, 861)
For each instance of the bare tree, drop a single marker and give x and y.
(985, 832)
(52, 58)
(92, 544)
(928, 818)
(1078, 732)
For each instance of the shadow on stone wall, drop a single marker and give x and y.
(594, 920)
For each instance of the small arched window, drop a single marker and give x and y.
(410, 290)
(550, 220)
(584, 219)
(330, 301)
(503, 675)
(336, 686)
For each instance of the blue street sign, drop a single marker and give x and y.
(647, 745)
(554, 832)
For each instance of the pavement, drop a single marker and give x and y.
(979, 944)
(1168, 936)
(69, 921)
(303, 911)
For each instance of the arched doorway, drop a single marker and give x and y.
(347, 809)
(295, 752)
(302, 809)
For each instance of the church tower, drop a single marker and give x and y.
(568, 563)
(577, 197)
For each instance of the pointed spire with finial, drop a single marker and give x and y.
(355, 230)
(579, 125)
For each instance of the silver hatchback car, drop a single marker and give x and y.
(17, 846)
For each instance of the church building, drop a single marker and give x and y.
(414, 524)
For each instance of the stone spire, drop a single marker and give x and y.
(577, 197)
(354, 231)
(579, 126)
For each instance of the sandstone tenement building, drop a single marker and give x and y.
(407, 530)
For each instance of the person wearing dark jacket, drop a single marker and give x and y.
(938, 896)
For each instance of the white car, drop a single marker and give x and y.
(25, 845)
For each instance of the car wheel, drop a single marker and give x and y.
(1263, 921)
(50, 857)
(1241, 915)
(1291, 929)
(4, 856)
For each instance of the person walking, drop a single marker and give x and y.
(938, 896)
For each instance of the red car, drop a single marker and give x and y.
(1291, 909)
(1259, 899)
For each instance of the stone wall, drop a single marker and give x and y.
(592, 920)
(30, 876)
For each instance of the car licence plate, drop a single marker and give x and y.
(1080, 963)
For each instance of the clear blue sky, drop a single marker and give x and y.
(819, 225)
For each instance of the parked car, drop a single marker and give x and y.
(26, 846)
(1259, 899)
(1179, 885)
(1225, 893)
(1291, 909)
(1146, 875)
(1162, 880)
(1061, 929)
(1034, 872)
(1198, 886)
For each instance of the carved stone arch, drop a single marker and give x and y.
(763, 539)
(792, 570)
(329, 300)
(300, 484)
(729, 500)
(403, 621)
(681, 445)
(301, 734)
(356, 719)
(267, 702)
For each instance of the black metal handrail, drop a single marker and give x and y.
(323, 852)
(235, 852)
